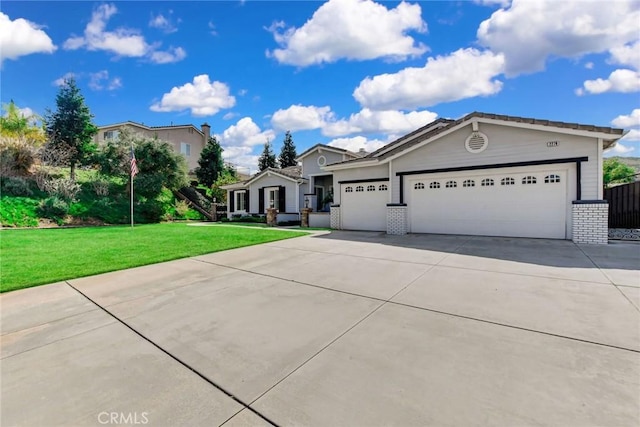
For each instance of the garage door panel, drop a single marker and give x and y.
(365, 209)
(519, 210)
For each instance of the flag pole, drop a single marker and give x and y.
(131, 175)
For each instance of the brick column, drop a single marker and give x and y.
(590, 219)
(397, 218)
(304, 218)
(272, 217)
(335, 217)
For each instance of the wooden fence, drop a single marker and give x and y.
(624, 205)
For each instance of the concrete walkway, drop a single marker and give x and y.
(340, 329)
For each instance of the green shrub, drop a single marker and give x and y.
(15, 186)
(18, 212)
(149, 211)
(53, 208)
(78, 210)
(252, 218)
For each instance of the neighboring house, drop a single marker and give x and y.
(185, 139)
(483, 174)
(290, 189)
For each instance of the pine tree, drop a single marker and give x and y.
(70, 127)
(268, 158)
(210, 164)
(288, 152)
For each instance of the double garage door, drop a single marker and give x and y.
(531, 203)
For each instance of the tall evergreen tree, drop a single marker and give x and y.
(268, 158)
(210, 164)
(70, 127)
(288, 152)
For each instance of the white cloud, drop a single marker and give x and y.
(245, 133)
(202, 97)
(388, 122)
(629, 120)
(240, 140)
(299, 117)
(628, 54)
(356, 143)
(21, 37)
(230, 115)
(350, 29)
(633, 135)
(163, 23)
(501, 3)
(60, 80)
(620, 149)
(588, 65)
(529, 32)
(121, 41)
(464, 73)
(101, 81)
(624, 81)
(165, 57)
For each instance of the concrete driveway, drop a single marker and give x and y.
(343, 329)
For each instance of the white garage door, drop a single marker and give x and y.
(363, 206)
(532, 203)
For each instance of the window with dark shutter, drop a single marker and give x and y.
(232, 196)
(261, 200)
(282, 200)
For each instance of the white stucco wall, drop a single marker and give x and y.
(273, 181)
(372, 172)
(310, 163)
(506, 145)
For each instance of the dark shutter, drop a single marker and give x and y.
(246, 201)
(261, 200)
(282, 199)
(232, 199)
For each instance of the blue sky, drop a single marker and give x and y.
(350, 73)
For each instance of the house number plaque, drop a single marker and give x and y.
(552, 143)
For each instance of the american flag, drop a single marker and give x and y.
(134, 165)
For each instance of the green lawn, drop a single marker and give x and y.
(35, 257)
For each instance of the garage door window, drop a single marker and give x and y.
(451, 184)
(348, 190)
(371, 188)
(469, 183)
(487, 182)
(508, 181)
(418, 186)
(529, 180)
(549, 179)
(359, 189)
(382, 187)
(434, 184)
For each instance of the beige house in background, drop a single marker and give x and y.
(187, 140)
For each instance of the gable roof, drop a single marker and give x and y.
(293, 173)
(327, 148)
(150, 128)
(440, 126)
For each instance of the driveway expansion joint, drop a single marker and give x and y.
(173, 357)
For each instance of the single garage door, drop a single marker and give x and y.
(363, 206)
(500, 203)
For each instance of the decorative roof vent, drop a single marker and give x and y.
(476, 142)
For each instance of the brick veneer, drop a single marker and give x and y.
(397, 219)
(590, 221)
(335, 217)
